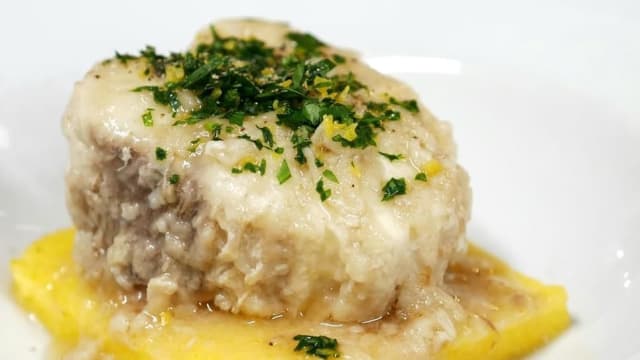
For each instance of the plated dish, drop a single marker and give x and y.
(266, 175)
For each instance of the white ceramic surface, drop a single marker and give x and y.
(544, 97)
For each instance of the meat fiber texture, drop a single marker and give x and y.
(245, 242)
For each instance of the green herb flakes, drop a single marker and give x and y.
(329, 175)
(236, 117)
(365, 136)
(305, 43)
(202, 72)
(409, 105)
(123, 58)
(320, 346)
(391, 115)
(234, 80)
(256, 168)
(256, 142)
(393, 188)
(214, 129)
(421, 176)
(377, 107)
(284, 173)
(266, 142)
(164, 96)
(391, 157)
(267, 136)
(161, 153)
(324, 193)
(311, 112)
(193, 145)
(339, 59)
(174, 179)
(260, 168)
(147, 118)
(300, 140)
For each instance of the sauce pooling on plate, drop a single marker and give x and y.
(504, 314)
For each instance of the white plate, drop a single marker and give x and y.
(544, 98)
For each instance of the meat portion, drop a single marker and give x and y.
(189, 228)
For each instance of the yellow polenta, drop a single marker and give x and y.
(47, 283)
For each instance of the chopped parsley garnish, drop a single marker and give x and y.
(266, 142)
(330, 176)
(161, 153)
(234, 78)
(174, 179)
(124, 57)
(306, 43)
(320, 346)
(300, 140)
(147, 118)
(267, 136)
(365, 136)
(339, 59)
(164, 96)
(318, 163)
(391, 115)
(284, 173)
(256, 142)
(260, 167)
(311, 112)
(377, 107)
(214, 129)
(391, 157)
(393, 188)
(421, 176)
(410, 105)
(202, 71)
(193, 145)
(324, 193)
(236, 117)
(155, 61)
